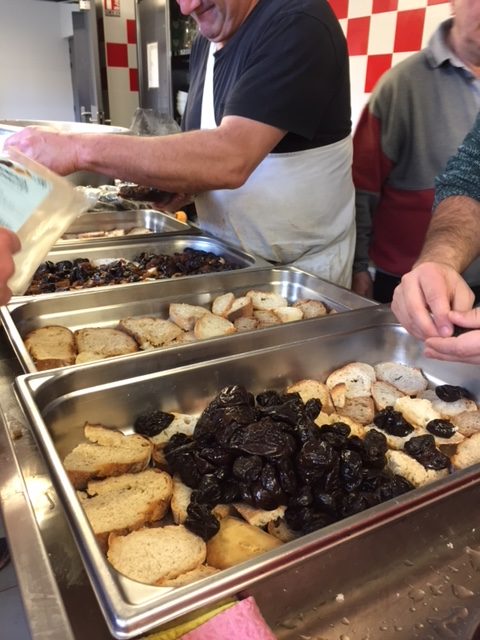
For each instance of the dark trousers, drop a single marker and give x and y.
(384, 286)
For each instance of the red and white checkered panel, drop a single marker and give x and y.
(381, 33)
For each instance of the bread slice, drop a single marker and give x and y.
(150, 332)
(237, 541)
(124, 503)
(357, 376)
(468, 452)
(280, 529)
(212, 326)
(309, 389)
(448, 409)
(245, 324)
(88, 356)
(417, 411)
(288, 314)
(157, 554)
(467, 422)
(266, 318)
(385, 394)
(311, 308)
(266, 300)
(404, 465)
(186, 315)
(200, 572)
(51, 346)
(361, 409)
(181, 496)
(406, 379)
(222, 304)
(104, 341)
(241, 308)
(258, 517)
(108, 453)
(356, 429)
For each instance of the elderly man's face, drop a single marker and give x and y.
(466, 29)
(217, 20)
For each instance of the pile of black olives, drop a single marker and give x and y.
(267, 451)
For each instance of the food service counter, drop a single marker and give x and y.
(419, 577)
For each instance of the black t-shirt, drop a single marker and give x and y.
(286, 66)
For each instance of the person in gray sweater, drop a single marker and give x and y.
(418, 114)
(433, 300)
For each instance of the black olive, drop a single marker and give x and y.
(441, 428)
(451, 393)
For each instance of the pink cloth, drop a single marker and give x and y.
(243, 621)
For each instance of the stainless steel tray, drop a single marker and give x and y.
(58, 405)
(157, 222)
(131, 249)
(105, 308)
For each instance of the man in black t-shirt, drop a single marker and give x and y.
(266, 146)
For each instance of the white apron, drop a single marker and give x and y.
(295, 209)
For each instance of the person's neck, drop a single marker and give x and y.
(457, 48)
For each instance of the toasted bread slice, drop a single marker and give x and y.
(241, 308)
(156, 554)
(288, 314)
(108, 453)
(150, 333)
(404, 465)
(124, 503)
(361, 409)
(51, 346)
(266, 300)
(467, 422)
(357, 376)
(311, 308)
(266, 318)
(417, 411)
(258, 517)
(385, 394)
(88, 356)
(245, 324)
(280, 529)
(222, 304)
(309, 389)
(468, 452)
(448, 409)
(104, 341)
(180, 500)
(406, 379)
(200, 572)
(186, 315)
(212, 326)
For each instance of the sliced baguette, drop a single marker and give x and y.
(258, 517)
(266, 300)
(280, 529)
(51, 346)
(406, 379)
(212, 326)
(309, 389)
(404, 465)
(245, 324)
(288, 314)
(180, 500)
(125, 503)
(222, 304)
(104, 341)
(357, 376)
(468, 452)
(200, 572)
(88, 356)
(157, 554)
(417, 411)
(241, 308)
(150, 333)
(361, 409)
(186, 315)
(108, 453)
(448, 409)
(266, 318)
(467, 422)
(311, 308)
(385, 394)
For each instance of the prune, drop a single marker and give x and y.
(263, 498)
(440, 428)
(247, 468)
(336, 434)
(326, 502)
(374, 448)
(209, 491)
(263, 438)
(350, 469)
(302, 498)
(424, 451)
(394, 487)
(153, 423)
(313, 408)
(201, 521)
(451, 393)
(288, 411)
(314, 460)
(392, 422)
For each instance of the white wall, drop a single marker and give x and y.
(35, 79)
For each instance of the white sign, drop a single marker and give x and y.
(152, 65)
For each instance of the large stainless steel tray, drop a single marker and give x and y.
(157, 222)
(105, 308)
(167, 246)
(58, 405)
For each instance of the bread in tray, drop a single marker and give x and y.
(131, 515)
(151, 332)
(104, 341)
(51, 346)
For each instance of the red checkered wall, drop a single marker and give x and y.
(381, 33)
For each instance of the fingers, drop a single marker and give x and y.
(9, 245)
(464, 348)
(411, 309)
(469, 319)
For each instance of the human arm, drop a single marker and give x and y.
(434, 287)
(190, 162)
(9, 245)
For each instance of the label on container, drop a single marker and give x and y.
(21, 192)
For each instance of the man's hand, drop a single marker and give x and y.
(47, 146)
(426, 295)
(362, 284)
(465, 347)
(9, 245)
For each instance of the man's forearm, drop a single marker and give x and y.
(453, 236)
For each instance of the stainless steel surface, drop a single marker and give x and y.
(157, 222)
(105, 308)
(133, 248)
(350, 557)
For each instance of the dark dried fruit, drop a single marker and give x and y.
(153, 423)
(201, 521)
(392, 422)
(451, 393)
(441, 428)
(424, 451)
